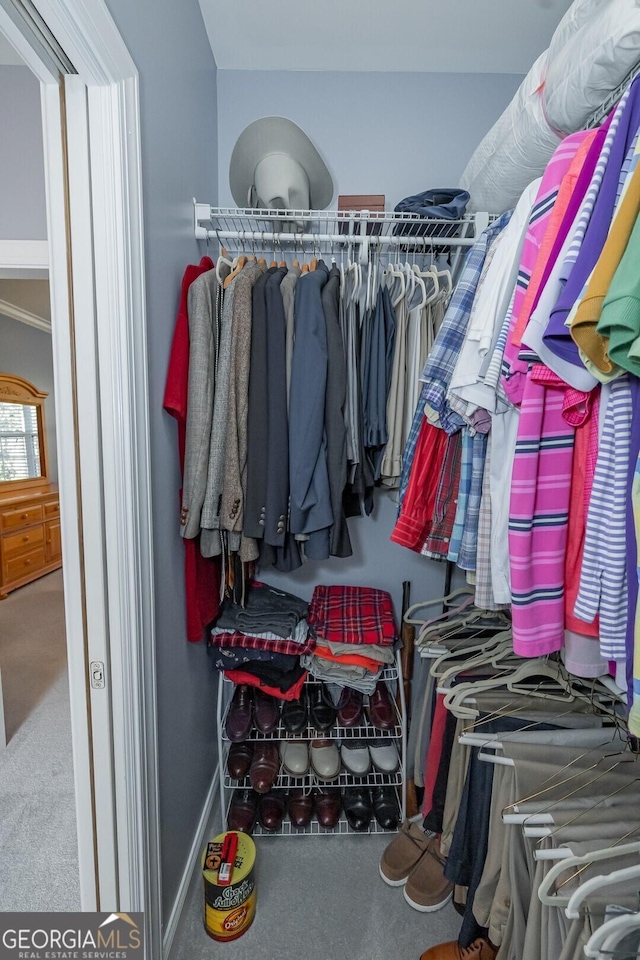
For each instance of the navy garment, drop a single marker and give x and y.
(308, 475)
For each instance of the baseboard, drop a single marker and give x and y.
(191, 865)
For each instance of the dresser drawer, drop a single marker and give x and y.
(22, 542)
(20, 517)
(22, 566)
(52, 509)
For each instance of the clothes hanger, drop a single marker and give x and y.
(223, 259)
(556, 871)
(460, 592)
(239, 265)
(603, 941)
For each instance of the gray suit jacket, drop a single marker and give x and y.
(277, 511)
(202, 298)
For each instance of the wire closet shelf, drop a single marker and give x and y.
(321, 231)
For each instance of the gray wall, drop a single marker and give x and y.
(179, 161)
(26, 352)
(23, 214)
(391, 133)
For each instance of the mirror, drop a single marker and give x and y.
(23, 448)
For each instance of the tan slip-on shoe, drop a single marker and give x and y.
(403, 853)
(480, 949)
(427, 888)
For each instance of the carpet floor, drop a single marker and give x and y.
(38, 845)
(322, 899)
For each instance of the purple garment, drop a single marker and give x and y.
(632, 553)
(557, 337)
(581, 186)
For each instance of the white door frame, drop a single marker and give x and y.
(94, 216)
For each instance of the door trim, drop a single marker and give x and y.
(120, 497)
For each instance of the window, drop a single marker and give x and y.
(19, 445)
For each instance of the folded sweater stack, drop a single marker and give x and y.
(355, 632)
(261, 643)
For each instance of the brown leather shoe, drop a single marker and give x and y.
(328, 804)
(350, 707)
(480, 949)
(264, 766)
(300, 808)
(243, 811)
(266, 712)
(239, 760)
(271, 809)
(381, 711)
(240, 716)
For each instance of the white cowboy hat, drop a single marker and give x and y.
(275, 165)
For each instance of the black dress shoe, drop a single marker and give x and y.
(385, 807)
(295, 714)
(321, 708)
(356, 802)
(242, 811)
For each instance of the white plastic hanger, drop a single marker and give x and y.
(572, 909)
(604, 940)
(556, 871)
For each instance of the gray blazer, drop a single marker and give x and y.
(277, 506)
(201, 304)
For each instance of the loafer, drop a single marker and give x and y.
(350, 707)
(325, 759)
(271, 809)
(480, 949)
(384, 755)
(265, 766)
(300, 808)
(358, 808)
(381, 711)
(243, 810)
(295, 757)
(295, 715)
(240, 714)
(266, 712)
(385, 807)
(328, 804)
(239, 760)
(322, 711)
(355, 757)
(403, 854)
(427, 889)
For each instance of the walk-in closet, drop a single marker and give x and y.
(353, 321)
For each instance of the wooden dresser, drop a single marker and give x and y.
(29, 536)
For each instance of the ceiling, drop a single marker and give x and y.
(447, 36)
(8, 56)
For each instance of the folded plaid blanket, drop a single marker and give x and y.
(353, 615)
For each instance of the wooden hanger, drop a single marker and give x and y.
(313, 264)
(241, 262)
(305, 268)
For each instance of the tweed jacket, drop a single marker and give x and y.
(234, 475)
(202, 297)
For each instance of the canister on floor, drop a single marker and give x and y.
(229, 888)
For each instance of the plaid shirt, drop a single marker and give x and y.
(246, 642)
(436, 546)
(353, 615)
(469, 545)
(464, 488)
(440, 364)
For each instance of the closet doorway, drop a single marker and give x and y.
(89, 98)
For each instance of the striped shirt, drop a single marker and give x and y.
(634, 713)
(538, 515)
(603, 580)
